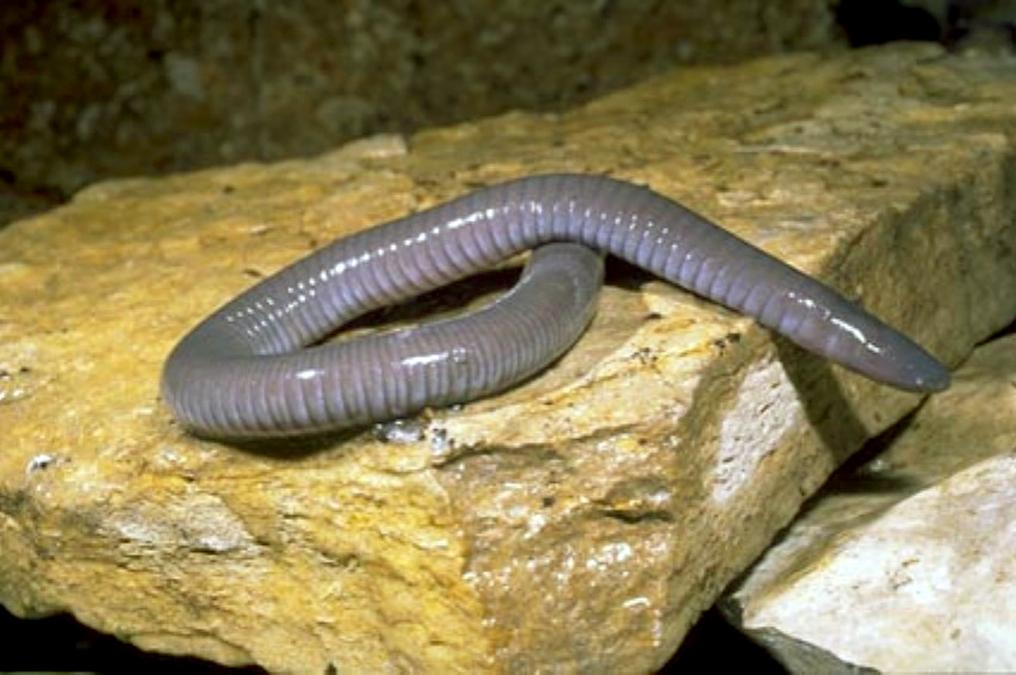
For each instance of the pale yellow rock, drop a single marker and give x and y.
(579, 522)
(906, 564)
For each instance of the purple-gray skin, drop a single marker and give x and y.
(247, 371)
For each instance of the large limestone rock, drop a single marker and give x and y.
(581, 521)
(906, 563)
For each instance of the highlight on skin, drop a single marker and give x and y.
(247, 371)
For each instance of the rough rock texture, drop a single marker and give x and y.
(94, 89)
(906, 563)
(581, 521)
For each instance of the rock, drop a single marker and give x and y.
(905, 564)
(211, 82)
(579, 522)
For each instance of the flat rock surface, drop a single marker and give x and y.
(906, 564)
(581, 521)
